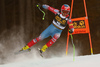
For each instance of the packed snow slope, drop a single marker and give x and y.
(80, 61)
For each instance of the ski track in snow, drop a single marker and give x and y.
(80, 61)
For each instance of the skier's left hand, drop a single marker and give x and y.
(71, 30)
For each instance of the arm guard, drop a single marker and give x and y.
(55, 11)
(71, 27)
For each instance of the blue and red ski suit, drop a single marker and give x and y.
(55, 29)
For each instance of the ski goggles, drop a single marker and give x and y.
(65, 11)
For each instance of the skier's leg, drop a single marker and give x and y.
(31, 43)
(53, 40)
(34, 41)
(43, 35)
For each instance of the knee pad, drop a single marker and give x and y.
(56, 36)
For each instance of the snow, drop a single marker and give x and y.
(67, 61)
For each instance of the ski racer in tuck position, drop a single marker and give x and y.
(59, 23)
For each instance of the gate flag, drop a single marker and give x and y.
(81, 26)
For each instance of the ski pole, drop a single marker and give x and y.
(73, 47)
(41, 11)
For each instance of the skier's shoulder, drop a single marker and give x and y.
(58, 13)
(67, 16)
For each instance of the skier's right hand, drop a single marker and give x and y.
(45, 6)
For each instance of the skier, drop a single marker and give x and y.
(54, 30)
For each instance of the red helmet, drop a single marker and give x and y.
(65, 9)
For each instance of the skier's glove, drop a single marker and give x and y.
(45, 6)
(71, 30)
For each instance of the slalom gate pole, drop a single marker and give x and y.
(73, 47)
(41, 11)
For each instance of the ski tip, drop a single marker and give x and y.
(40, 52)
(38, 48)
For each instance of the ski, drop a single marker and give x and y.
(22, 51)
(40, 52)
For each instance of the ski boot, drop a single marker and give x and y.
(43, 49)
(25, 48)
